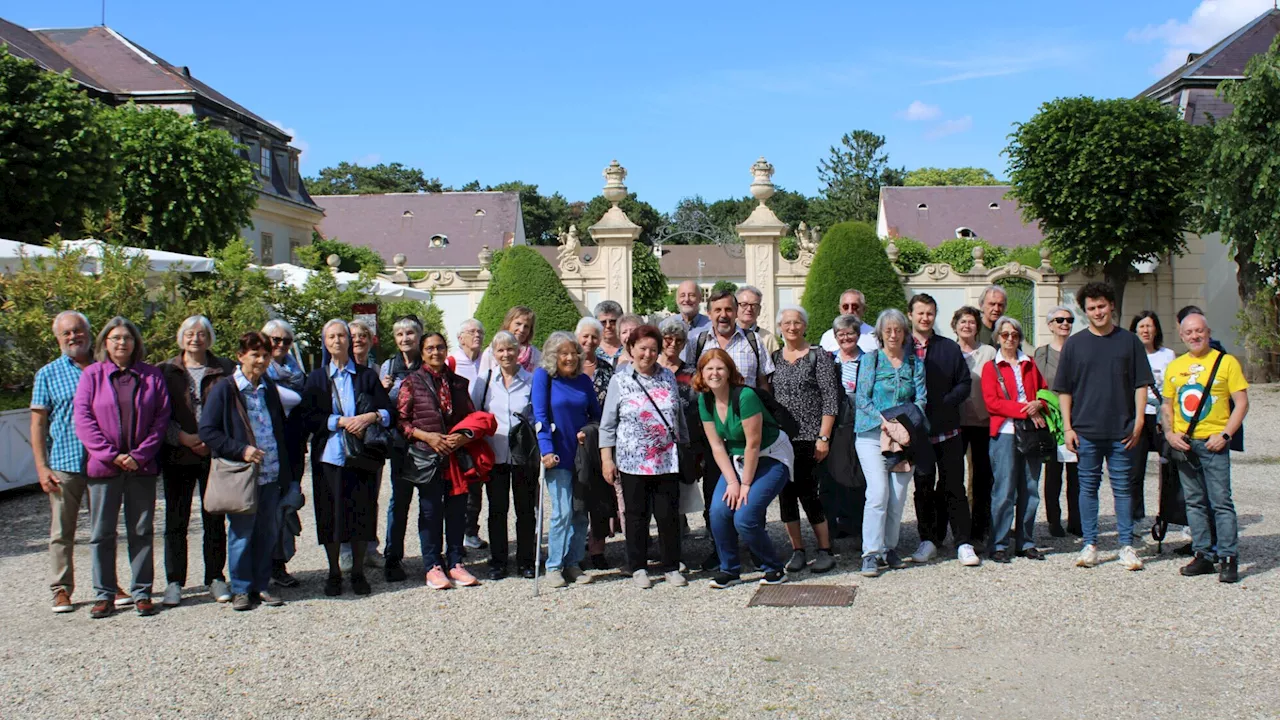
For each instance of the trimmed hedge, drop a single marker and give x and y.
(524, 277)
(850, 256)
(912, 254)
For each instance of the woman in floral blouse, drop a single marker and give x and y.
(805, 382)
(641, 428)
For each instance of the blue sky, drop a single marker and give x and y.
(686, 94)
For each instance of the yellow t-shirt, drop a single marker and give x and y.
(1184, 381)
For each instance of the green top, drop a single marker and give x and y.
(730, 429)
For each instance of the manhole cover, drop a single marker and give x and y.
(803, 596)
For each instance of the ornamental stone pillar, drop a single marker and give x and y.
(760, 233)
(615, 235)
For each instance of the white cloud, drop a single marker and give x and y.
(1211, 21)
(950, 127)
(979, 66)
(370, 159)
(297, 142)
(918, 110)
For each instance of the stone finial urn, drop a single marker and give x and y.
(762, 180)
(615, 188)
(333, 261)
(399, 275)
(485, 257)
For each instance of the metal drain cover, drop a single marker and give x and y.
(803, 596)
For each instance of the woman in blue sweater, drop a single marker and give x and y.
(564, 401)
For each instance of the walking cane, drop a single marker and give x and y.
(537, 552)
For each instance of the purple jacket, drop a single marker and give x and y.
(97, 419)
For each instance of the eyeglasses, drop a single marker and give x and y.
(434, 349)
(282, 341)
(754, 306)
(673, 340)
(1063, 320)
(609, 321)
(1009, 336)
(120, 340)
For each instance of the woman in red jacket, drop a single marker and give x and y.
(1009, 387)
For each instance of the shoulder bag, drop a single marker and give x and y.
(365, 454)
(1177, 455)
(685, 455)
(1028, 440)
(232, 488)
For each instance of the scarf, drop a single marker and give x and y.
(443, 397)
(526, 357)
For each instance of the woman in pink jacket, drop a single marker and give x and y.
(121, 413)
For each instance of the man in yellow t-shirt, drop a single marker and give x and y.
(1205, 465)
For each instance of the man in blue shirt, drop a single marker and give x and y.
(59, 456)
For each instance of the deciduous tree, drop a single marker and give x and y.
(927, 176)
(354, 179)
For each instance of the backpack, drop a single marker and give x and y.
(752, 339)
(781, 416)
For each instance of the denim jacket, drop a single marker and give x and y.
(882, 386)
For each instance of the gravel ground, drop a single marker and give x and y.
(1027, 639)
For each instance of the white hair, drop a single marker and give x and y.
(1048, 317)
(589, 322)
(887, 317)
(336, 321)
(77, 315)
(551, 352)
(191, 323)
(278, 324)
(676, 326)
(407, 323)
(504, 338)
(1006, 320)
(751, 289)
(471, 323)
(804, 314)
(982, 300)
(848, 321)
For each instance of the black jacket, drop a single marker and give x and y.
(947, 380)
(224, 431)
(317, 405)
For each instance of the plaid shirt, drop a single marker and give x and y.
(740, 350)
(55, 391)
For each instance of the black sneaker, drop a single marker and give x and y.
(1228, 570)
(1057, 531)
(393, 572)
(773, 577)
(526, 572)
(1000, 556)
(497, 572)
(723, 580)
(799, 561)
(1031, 554)
(360, 585)
(711, 562)
(282, 578)
(1200, 565)
(333, 585)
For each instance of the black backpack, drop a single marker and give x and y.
(781, 416)
(752, 339)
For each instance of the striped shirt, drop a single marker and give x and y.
(55, 391)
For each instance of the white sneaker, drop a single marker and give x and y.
(1186, 533)
(1129, 559)
(555, 579)
(967, 556)
(220, 591)
(172, 595)
(926, 552)
(345, 561)
(1088, 557)
(640, 579)
(676, 579)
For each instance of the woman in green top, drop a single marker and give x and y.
(754, 457)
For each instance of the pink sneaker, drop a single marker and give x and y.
(462, 576)
(437, 580)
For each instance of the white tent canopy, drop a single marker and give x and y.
(296, 277)
(12, 252)
(160, 260)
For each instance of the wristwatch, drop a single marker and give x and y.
(827, 438)
(1226, 436)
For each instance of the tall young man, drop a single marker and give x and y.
(1102, 382)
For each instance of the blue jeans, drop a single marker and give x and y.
(441, 520)
(748, 521)
(251, 538)
(886, 496)
(567, 537)
(1208, 493)
(1119, 470)
(1015, 495)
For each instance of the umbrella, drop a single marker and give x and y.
(296, 277)
(12, 252)
(160, 260)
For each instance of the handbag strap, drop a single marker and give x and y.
(484, 395)
(238, 401)
(1000, 379)
(662, 415)
(1208, 390)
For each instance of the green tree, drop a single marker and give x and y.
(55, 153)
(353, 258)
(832, 274)
(852, 176)
(648, 282)
(183, 185)
(928, 176)
(912, 254)
(390, 309)
(1111, 182)
(640, 212)
(318, 301)
(355, 179)
(790, 207)
(524, 277)
(721, 285)
(1241, 199)
(543, 216)
(958, 253)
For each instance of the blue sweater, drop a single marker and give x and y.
(573, 405)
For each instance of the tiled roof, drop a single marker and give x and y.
(1226, 59)
(406, 222)
(933, 214)
(25, 44)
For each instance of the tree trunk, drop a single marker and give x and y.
(1117, 276)
(1255, 359)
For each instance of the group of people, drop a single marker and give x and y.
(621, 419)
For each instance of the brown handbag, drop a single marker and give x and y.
(233, 484)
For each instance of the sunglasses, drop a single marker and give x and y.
(282, 341)
(1009, 336)
(1063, 321)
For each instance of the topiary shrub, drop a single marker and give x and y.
(958, 253)
(850, 256)
(723, 285)
(524, 277)
(648, 282)
(912, 254)
(789, 248)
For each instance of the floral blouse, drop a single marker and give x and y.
(639, 428)
(600, 380)
(808, 388)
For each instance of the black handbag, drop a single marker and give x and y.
(368, 453)
(421, 466)
(1029, 440)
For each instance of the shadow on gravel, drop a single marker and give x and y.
(24, 522)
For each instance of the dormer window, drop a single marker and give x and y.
(406, 214)
(922, 206)
(479, 212)
(266, 162)
(993, 206)
(439, 241)
(964, 232)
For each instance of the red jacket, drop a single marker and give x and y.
(1000, 406)
(481, 425)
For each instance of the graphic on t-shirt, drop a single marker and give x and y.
(1193, 393)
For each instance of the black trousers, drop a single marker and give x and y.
(1052, 495)
(180, 482)
(475, 504)
(656, 496)
(977, 442)
(803, 488)
(1147, 444)
(506, 482)
(940, 496)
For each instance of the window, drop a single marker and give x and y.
(293, 172)
(268, 253)
(964, 232)
(294, 244)
(439, 241)
(266, 162)
(993, 206)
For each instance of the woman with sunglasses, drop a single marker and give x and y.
(1060, 320)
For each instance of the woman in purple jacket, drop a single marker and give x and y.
(121, 415)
